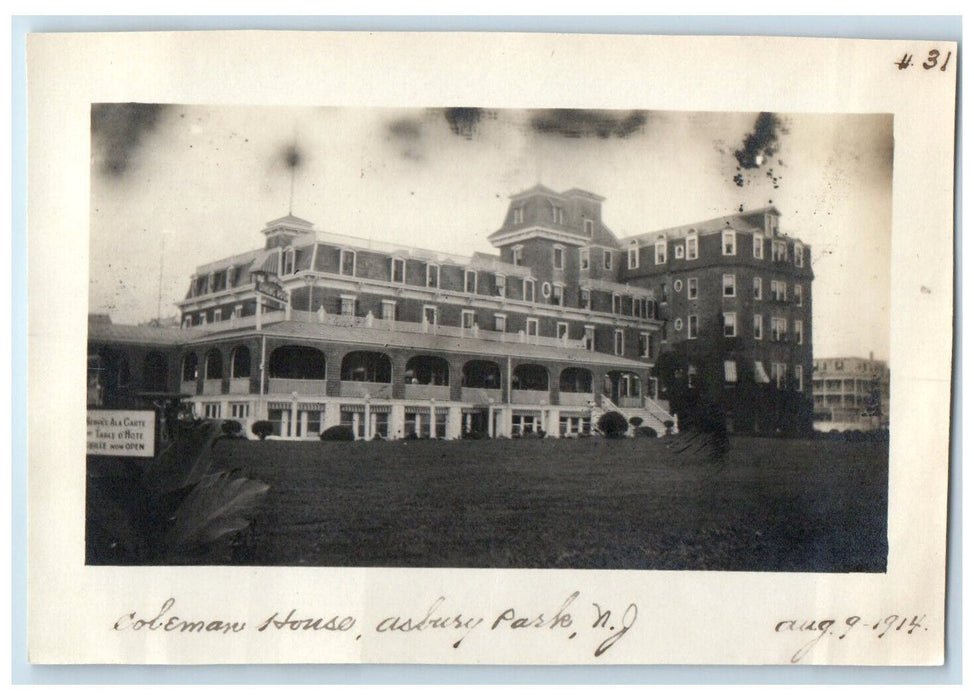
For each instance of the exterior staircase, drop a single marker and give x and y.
(653, 412)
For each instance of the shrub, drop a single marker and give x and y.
(262, 429)
(668, 424)
(231, 428)
(338, 433)
(635, 421)
(474, 435)
(613, 424)
(645, 431)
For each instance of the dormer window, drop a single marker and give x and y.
(679, 251)
(348, 263)
(557, 215)
(398, 271)
(661, 252)
(758, 246)
(729, 242)
(607, 259)
(470, 281)
(558, 257)
(287, 264)
(519, 215)
(633, 257)
(583, 259)
(432, 275)
(589, 227)
(779, 251)
(770, 225)
(799, 255)
(692, 246)
(518, 254)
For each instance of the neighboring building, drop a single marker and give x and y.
(851, 393)
(736, 297)
(315, 329)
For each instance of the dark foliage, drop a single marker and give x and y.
(613, 424)
(262, 429)
(231, 427)
(338, 433)
(645, 431)
(635, 421)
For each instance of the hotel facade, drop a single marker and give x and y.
(562, 324)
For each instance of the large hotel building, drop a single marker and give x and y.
(564, 323)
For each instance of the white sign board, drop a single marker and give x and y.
(122, 433)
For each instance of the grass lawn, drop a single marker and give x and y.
(772, 505)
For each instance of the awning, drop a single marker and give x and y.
(311, 407)
(760, 375)
(352, 408)
(277, 405)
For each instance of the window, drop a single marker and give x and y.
(633, 257)
(620, 341)
(557, 215)
(730, 371)
(557, 295)
(660, 252)
(678, 251)
(730, 286)
(287, 267)
(779, 251)
(692, 288)
(799, 378)
(589, 337)
(770, 224)
(561, 331)
(757, 288)
(545, 290)
(678, 324)
(432, 275)
(589, 227)
(691, 377)
(583, 259)
(730, 324)
(388, 310)
(799, 332)
(663, 293)
(500, 323)
(347, 263)
(348, 305)
(616, 304)
(798, 294)
(217, 315)
(645, 345)
(211, 410)
(585, 298)
(729, 242)
(558, 257)
(518, 254)
(467, 318)
(799, 255)
(692, 249)
(607, 259)
(692, 327)
(528, 290)
(779, 329)
(779, 290)
(500, 285)
(532, 327)
(678, 286)
(758, 246)
(758, 326)
(518, 215)
(470, 281)
(398, 273)
(239, 409)
(429, 316)
(779, 373)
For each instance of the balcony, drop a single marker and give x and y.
(630, 402)
(529, 397)
(376, 390)
(240, 385)
(427, 392)
(305, 387)
(575, 398)
(479, 396)
(212, 387)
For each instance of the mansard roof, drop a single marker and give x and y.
(750, 220)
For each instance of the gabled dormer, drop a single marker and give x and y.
(281, 233)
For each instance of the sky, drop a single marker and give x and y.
(176, 186)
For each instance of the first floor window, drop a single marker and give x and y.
(562, 329)
(730, 324)
(557, 295)
(389, 310)
(528, 290)
(798, 295)
(692, 328)
(779, 329)
(500, 323)
(470, 282)
(799, 378)
(758, 326)
(348, 262)
(380, 424)
(467, 318)
(240, 410)
(620, 342)
(757, 288)
(590, 337)
(429, 315)
(730, 285)
(211, 410)
(799, 329)
(532, 326)
(432, 275)
(692, 288)
(348, 306)
(398, 270)
(645, 345)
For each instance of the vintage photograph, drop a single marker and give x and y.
(488, 338)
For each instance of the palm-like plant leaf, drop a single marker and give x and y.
(219, 505)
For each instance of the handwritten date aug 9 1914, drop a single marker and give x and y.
(880, 628)
(607, 625)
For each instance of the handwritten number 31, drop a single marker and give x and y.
(932, 59)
